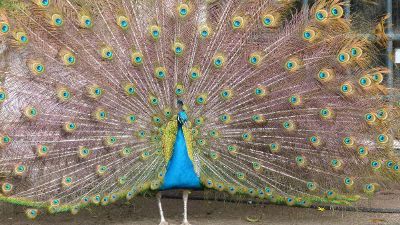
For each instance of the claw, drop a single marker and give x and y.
(164, 223)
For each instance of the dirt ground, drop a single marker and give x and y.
(143, 211)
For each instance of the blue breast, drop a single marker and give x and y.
(180, 171)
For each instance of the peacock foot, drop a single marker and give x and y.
(185, 223)
(164, 223)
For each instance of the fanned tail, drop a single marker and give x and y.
(291, 110)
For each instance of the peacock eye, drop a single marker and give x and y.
(86, 21)
(21, 38)
(268, 20)
(183, 10)
(178, 48)
(57, 20)
(321, 15)
(237, 22)
(343, 57)
(122, 22)
(4, 27)
(45, 2)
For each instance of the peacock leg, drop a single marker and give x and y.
(163, 221)
(185, 200)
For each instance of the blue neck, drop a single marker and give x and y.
(180, 171)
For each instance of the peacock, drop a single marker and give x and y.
(103, 100)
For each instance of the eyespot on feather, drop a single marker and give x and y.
(238, 22)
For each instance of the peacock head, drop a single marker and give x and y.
(180, 104)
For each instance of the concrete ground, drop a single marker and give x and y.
(143, 211)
